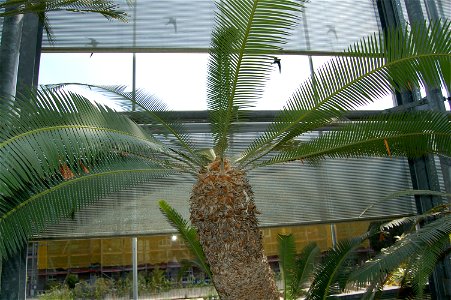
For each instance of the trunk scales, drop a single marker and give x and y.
(223, 210)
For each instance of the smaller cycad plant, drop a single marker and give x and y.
(316, 276)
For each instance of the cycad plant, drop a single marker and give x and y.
(60, 152)
(337, 271)
(417, 250)
(296, 270)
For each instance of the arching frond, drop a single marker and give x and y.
(406, 193)
(305, 265)
(25, 212)
(427, 242)
(409, 134)
(60, 152)
(75, 127)
(296, 269)
(369, 70)
(420, 267)
(287, 258)
(188, 233)
(152, 112)
(246, 34)
(331, 274)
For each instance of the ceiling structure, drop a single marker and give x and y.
(181, 26)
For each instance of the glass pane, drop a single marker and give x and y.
(180, 80)
(97, 68)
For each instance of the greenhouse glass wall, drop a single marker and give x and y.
(164, 49)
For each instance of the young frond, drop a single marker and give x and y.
(240, 60)
(188, 233)
(331, 274)
(304, 266)
(369, 70)
(287, 263)
(409, 134)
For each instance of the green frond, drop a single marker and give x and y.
(304, 266)
(331, 274)
(188, 233)
(436, 212)
(76, 127)
(409, 134)
(153, 112)
(369, 70)
(60, 152)
(26, 211)
(287, 259)
(428, 240)
(406, 193)
(421, 267)
(296, 269)
(246, 34)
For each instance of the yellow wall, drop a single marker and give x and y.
(108, 252)
(160, 249)
(321, 234)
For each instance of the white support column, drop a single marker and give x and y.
(135, 267)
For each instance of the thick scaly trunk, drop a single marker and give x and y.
(223, 210)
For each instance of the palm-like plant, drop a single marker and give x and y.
(418, 250)
(58, 146)
(296, 269)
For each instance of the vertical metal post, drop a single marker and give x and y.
(134, 58)
(333, 232)
(9, 55)
(424, 171)
(135, 267)
(19, 56)
(307, 43)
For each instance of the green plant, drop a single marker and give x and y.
(417, 251)
(95, 151)
(158, 281)
(57, 292)
(407, 262)
(331, 275)
(123, 287)
(71, 280)
(82, 290)
(296, 269)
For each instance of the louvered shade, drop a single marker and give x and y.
(330, 190)
(180, 26)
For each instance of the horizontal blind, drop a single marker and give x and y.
(296, 193)
(177, 25)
